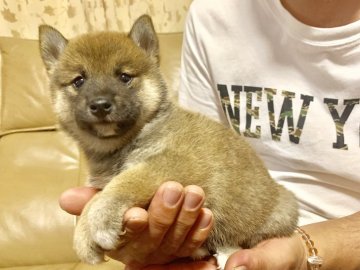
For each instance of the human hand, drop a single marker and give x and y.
(273, 254)
(286, 253)
(189, 265)
(174, 226)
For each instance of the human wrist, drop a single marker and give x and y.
(300, 260)
(337, 242)
(313, 261)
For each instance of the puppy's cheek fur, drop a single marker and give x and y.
(61, 106)
(149, 96)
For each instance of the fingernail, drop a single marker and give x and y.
(192, 200)
(171, 195)
(205, 220)
(240, 268)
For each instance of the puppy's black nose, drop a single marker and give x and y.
(100, 107)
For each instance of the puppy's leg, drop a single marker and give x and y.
(100, 227)
(87, 250)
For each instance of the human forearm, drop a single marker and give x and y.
(338, 242)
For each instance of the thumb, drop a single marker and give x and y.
(273, 254)
(74, 200)
(246, 259)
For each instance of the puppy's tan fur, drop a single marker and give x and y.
(129, 159)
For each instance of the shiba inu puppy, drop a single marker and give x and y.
(109, 95)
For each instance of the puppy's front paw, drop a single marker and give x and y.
(99, 229)
(85, 247)
(105, 217)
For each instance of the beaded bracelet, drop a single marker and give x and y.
(314, 261)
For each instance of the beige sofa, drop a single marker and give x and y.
(38, 162)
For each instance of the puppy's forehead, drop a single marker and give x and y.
(104, 52)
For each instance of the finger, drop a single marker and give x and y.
(135, 221)
(161, 214)
(244, 260)
(198, 234)
(266, 256)
(163, 210)
(254, 259)
(73, 200)
(194, 199)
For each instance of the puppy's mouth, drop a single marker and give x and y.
(107, 130)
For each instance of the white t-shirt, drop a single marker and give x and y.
(292, 90)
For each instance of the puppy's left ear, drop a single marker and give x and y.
(52, 45)
(144, 35)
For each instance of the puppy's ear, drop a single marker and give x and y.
(52, 45)
(143, 34)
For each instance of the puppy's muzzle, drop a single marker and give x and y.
(101, 107)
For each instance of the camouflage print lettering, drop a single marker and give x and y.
(287, 113)
(295, 136)
(270, 93)
(233, 114)
(340, 120)
(236, 89)
(252, 112)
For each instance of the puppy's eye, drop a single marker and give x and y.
(78, 81)
(125, 78)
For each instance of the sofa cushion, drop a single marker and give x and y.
(24, 97)
(36, 166)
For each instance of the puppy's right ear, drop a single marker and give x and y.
(52, 45)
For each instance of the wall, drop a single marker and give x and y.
(20, 18)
